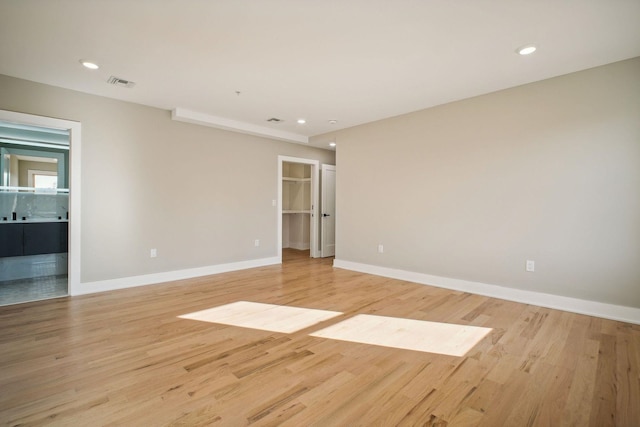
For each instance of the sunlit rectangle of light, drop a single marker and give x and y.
(266, 317)
(409, 334)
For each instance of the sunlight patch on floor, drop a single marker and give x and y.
(408, 334)
(266, 317)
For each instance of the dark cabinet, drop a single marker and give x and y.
(45, 238)
(11, 239)
(33, 238)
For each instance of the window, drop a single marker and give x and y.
(43, 179)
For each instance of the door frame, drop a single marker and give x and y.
(75, 143)
(315, 198)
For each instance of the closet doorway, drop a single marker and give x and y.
(298, 199)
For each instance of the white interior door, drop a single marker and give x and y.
(328, 244)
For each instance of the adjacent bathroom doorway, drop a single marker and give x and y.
(39, 207)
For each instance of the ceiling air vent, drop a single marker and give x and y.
(274, 120)
(113, 80)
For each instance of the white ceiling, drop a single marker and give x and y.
(354, 61)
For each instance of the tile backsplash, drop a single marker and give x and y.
(33, 205)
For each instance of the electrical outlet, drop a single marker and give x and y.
(256, 243)
(380, 249)
(273, 202)
(531, 265)
(153, 253)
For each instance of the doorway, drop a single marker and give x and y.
(40, 216)
(298, 199)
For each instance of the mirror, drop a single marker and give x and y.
(33, 158)
(34, 173)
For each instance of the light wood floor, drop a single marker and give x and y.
(125, 358)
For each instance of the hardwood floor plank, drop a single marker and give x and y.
(578, 409)
(628, 376)
(604, 397)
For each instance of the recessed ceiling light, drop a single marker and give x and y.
(332, 144)
(526, 50)
(89, 64)
(333, 122)
(301, 121)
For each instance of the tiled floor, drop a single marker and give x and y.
(39, 288)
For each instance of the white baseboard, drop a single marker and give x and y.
(169, 276)
(574, 305)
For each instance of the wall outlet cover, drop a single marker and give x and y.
(531, 265)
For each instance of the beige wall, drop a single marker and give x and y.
(25, 165)
(135, 163)
(470, 190)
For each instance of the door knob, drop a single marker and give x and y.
(324, 214)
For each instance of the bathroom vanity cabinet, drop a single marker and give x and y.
(33, 238)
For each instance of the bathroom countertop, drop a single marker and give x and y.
(32, 220)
